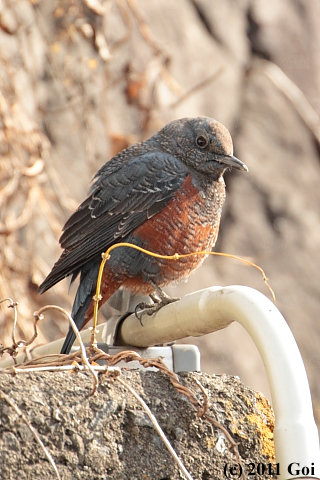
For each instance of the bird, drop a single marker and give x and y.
(165, 195)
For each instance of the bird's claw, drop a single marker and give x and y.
(150, 309)
(141, 306)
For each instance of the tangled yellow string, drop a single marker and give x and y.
(106, 255)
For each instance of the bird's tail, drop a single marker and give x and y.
(82, 301)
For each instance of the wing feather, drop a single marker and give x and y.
(120, 200)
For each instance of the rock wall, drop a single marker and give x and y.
(109, 435)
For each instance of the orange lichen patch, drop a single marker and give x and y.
(264, 420)
(211, 442)
(236, 427)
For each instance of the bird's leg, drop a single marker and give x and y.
(154, 298)
(159, 301)
(164, 298)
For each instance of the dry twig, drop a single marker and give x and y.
(197, 87)
(32, 430)
(156, 425)
(38, 315)
(297, 98)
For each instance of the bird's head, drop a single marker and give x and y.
(201, 143)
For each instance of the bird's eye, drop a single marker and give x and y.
(202, 142)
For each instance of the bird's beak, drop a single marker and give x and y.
(232, 161)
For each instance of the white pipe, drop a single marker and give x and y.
(295, 435)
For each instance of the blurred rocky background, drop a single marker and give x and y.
(82, 79)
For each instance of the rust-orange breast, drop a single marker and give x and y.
(189, 223)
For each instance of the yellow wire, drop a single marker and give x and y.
(176, 256)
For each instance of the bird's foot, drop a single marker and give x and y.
(158, 302)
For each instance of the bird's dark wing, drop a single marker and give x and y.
(120, 201)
